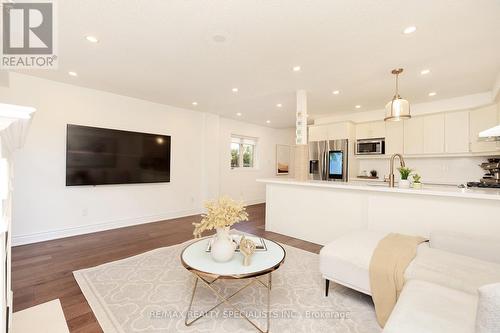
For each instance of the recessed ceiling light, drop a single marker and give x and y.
(235, 90)
(432, 94)
(425, 71)
(195, 103)
(71, 73)
(357, 106)
(296, 68)
(336, 92)
(410, 30)
(239, 114)
(268, 121)
(279, 105)
(92, 39)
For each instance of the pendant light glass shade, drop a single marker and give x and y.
(397, 109)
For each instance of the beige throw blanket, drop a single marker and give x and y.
(388, 264)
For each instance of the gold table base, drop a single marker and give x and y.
(225, 300)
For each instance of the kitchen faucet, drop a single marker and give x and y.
(391, 175)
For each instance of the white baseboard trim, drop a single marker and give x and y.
(254, 202)
(86, 229)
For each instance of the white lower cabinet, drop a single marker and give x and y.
(433, 132)
(456, 132)
(413, 136)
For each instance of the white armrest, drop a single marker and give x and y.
(488, 309)
(479, 247)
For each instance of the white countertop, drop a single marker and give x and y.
(436, 190)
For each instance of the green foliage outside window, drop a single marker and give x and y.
(247, 156)
(242, 155)
(235, 155)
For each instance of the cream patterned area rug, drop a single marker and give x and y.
(150, 292)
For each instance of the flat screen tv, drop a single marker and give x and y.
(100, 156)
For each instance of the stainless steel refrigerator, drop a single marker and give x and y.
(328, 160)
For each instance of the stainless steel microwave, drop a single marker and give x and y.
(370, 146)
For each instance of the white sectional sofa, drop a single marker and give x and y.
(426, 307)
(347, 260)
(441, 290)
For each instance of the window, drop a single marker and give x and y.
(243, 152)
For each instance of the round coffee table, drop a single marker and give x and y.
(198, 261)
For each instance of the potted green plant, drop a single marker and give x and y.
(416, 181)
(405, 173)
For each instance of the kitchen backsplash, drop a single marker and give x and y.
(449, 170)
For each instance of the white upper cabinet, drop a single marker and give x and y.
(394, 137)
(318, 133)
(434, 134)
(456, 132)
(413, 136)
(443, 133)
(335, 131)
(498, 117)
(480, 120)
(338, 131)
(371, 130)
(362, 130)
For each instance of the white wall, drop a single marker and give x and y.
(239, 183)
(44, 208)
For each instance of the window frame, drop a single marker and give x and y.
(242, 141)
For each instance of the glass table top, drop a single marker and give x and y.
(194, 257)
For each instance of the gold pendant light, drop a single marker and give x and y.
(397, 109)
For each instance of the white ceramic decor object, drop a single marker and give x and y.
(222, 246)
(404, 183)
(417, 186)
(247, 248)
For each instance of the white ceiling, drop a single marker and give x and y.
(164, 51)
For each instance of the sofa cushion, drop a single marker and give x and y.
(424, 307)
(475, 246)
(346, 260)
(488, 309)
(452, 270)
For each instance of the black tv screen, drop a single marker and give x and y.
(100, 156)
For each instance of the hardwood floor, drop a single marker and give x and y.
(44, 271)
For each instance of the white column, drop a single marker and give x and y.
(14, 122)
(301, 149)
(301, 118)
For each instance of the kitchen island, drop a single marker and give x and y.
(320, 211)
